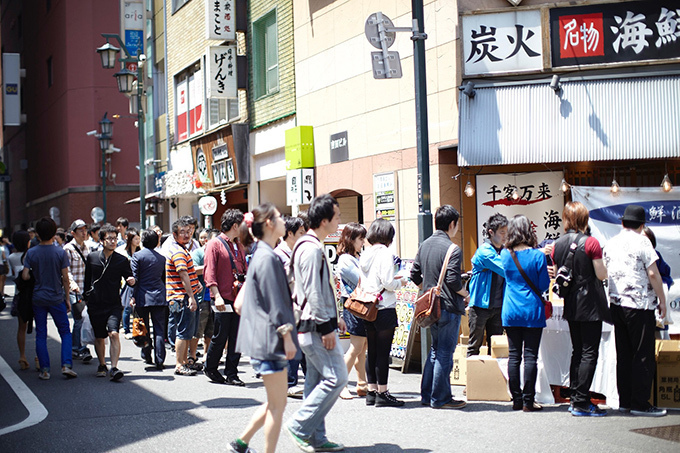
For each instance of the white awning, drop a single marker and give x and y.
(148, 197)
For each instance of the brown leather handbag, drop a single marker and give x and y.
(363, 305)
(427, 308)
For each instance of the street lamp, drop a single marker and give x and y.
(104, 137)
(126, 79)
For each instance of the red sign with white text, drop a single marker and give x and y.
(581, 35)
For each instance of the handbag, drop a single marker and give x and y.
(86, 331)
(139, 330)
(546, 303)
(364, 305)
(427, 308)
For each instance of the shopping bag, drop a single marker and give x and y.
(86, 332)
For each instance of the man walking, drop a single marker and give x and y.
(317, 333)
(635, 291)
(182, 287)
(435, 387)
(148, 269)
(487, 285)
(77, 252)
(224, 264)
(103, 272)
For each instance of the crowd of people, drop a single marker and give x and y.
(262, 286)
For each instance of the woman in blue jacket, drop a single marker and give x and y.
(523, 312)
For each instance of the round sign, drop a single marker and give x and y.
(372, 33)
(97, 214)
(207, 205)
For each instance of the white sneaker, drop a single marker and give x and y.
(68, 372)
(653, 411)
(44, 375)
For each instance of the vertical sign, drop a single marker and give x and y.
(182, 102)
(220, 23)
(222, 75)
(539, 198)
(133, 28)
(299, 186)
(11, 89)
(384, 195)
(196, 103)
(339, 147)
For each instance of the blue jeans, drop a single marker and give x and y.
(435, 387)
(127, 311)
(325, 379)
(60, 318)
(76, 345)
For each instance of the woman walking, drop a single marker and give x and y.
(267, 333)
(585, 305)
(132, 245)
(21, 305)
(348, 272)
(523, 313)
(378, 276)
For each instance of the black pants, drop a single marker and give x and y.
(480, 319)
(585, 342)
(523, 341)
(160, 327)
(635, 365)
(379, 334)
(225, 330)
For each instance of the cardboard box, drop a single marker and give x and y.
(463, 339)
(465, 325)
(668, 374)
(485, 381)
(459, 370)
(499, 346)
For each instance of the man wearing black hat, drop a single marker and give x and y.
(635, 291)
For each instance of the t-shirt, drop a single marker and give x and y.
(15, 264)
(47, 262)
(591, 247)
(627, 257)
(106, 275)
(179, 260)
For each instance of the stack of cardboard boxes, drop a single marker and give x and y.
(667, 384)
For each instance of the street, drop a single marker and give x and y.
(153, 410)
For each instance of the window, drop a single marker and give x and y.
(221, 111)
(266, 55)
(189, 97)
(49, 72)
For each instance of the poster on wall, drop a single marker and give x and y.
(196, 103)
(538, 197)
(384, 195)
(663, 217)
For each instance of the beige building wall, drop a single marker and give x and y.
(336, 92)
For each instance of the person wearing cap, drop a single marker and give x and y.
(635, 291)
(77, 252)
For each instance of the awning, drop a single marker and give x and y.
(614, 118)
(153, 196)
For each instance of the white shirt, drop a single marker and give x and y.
(627, 257)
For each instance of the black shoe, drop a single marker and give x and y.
(517, 405)
(160, 366)
(194, 364)
(370, 398)
(384, 399)
(234, 380)
(102, 371)
(115, 374)
(85, 356)
(214, 376)
(453, 404)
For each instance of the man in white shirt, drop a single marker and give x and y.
(635, 291)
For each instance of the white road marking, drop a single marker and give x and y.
(36, 411)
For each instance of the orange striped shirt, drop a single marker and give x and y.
(179, 260)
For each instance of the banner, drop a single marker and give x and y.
(663, 215)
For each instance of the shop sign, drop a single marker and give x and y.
(220, 152)
(222, 75)
(178, 183)
(539, 198)
(207, 205)
(158, 181)
(384, 196)
(502, 42)
(133, 29)
(220, 20)
(201, 165)
(299, 186)
(223, 172)
(615, 32)
(339, 148)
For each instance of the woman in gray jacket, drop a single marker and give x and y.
(267, 331)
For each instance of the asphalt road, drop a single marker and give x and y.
(152, 411)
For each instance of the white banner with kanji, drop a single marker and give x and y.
(663, 217)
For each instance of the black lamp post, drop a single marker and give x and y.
(105, 135)
(125, 79)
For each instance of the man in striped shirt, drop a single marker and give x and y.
(182, 287)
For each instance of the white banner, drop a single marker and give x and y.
(222, 76)
(502, 42)
(219, 20)
(663, 215)
(539, 199)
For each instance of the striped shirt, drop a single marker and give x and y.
(179, 260)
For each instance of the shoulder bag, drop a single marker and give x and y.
(362, 304)
(239, 279)
(427, 308)
(546, 303)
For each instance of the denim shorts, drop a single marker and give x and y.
(264, 367)
(187, 322)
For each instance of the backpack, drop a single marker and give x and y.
(298, 307)
(564, 275)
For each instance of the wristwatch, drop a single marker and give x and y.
(284, 329)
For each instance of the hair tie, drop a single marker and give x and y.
(248, 219)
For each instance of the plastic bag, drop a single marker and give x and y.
(86, 332)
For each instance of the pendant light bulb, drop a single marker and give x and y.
(515, 194)
(564, 186)
(615, 188)
(469, 190)
(666, 184)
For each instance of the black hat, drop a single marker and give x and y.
(634, 213)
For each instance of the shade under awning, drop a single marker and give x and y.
(153, 196)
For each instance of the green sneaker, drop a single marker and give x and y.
(301, 443)
(330, 446)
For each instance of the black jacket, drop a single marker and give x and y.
(428, 265)
(586, 300)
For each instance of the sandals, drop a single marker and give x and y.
(23, 364)
(346, 394)
(37, 364)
